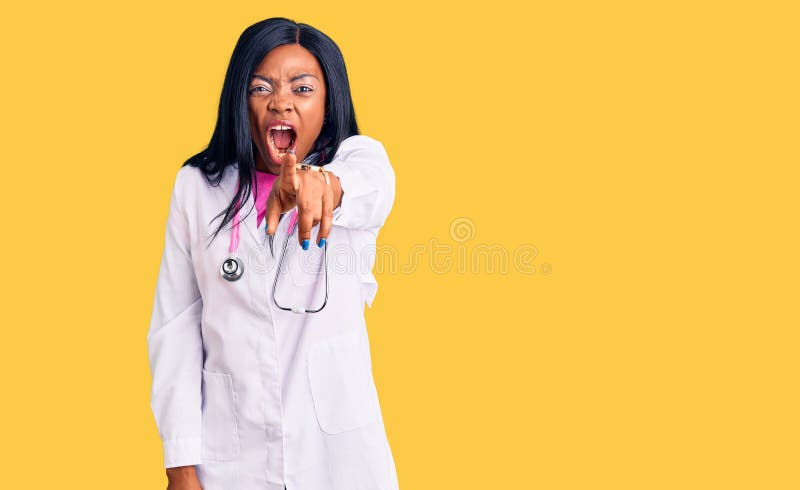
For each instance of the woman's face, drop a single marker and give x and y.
(287, 90)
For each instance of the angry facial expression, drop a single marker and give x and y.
(286, 105)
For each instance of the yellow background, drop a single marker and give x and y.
(647, 150)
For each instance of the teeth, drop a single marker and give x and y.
(272, 140)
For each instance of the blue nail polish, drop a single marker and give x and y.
(305, 244)
(321, 242)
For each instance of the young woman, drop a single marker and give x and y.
(262, 375)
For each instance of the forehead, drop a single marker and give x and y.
(288, 59)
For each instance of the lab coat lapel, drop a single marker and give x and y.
(251, 221)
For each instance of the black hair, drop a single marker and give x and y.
(231, 142)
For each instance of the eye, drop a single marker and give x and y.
(258, 88)
(305, 91)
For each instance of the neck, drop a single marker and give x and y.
(261, 166)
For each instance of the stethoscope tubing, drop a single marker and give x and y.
(233, 267)
(292, 227)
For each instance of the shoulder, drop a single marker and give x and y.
(188, 176)
(191, 180)
(190, 187)
(185, 181)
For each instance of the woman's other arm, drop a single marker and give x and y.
(174, 341)
(367, 182)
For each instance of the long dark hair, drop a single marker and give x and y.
(231, 143)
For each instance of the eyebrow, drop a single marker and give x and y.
(269, 80)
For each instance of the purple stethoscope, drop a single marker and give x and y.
(233, 267)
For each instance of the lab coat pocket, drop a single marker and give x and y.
(341, 382)
(220, 437)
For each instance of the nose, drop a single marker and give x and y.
(279, 103)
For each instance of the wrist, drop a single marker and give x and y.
(181, 471)
(337, 190)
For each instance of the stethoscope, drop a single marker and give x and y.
(233, 267)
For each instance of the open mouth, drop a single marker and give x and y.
(279, 139)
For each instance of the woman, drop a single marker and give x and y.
(248, 394)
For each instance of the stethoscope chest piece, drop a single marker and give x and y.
(232, 268)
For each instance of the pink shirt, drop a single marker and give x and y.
(265, 181)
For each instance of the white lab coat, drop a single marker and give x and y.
(254, 396)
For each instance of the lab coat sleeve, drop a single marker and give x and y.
(368, 183)
(175, 343)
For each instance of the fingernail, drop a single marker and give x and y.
(290, 150)
(305, 244)
(321, 242)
